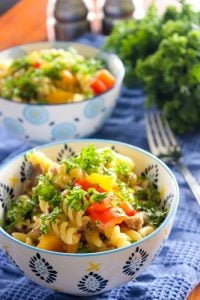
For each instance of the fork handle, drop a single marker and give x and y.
(193, 184)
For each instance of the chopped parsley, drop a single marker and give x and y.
(19, 210)
(122, 169)
(46, 191)
(148, 200)
(69, 165)
(51, 217)
(89, 159)
(79, 199)
(76, 199)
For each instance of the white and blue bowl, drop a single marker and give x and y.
(93, 273)
(40, 124)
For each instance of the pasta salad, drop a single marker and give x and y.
(91, 202)
(52, 76)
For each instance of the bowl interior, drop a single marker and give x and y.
(114, 64)
(15, 172)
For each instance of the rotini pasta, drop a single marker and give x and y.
(93, 238)
(44, 206)
(67, 233)
(117, 238)
(92, 202)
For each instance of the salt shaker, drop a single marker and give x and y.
(115, 10)
(70, 19)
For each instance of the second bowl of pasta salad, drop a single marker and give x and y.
(53, 91)
(76, 213)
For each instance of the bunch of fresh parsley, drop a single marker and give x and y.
(162, 52)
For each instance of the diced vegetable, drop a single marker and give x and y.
(104, 181)
(85, 184)
(105, 214)
(127, 207)
(51, 241)
(98, 86)
(102, 82)
(107, 78)
(100, 207)
(59, 96)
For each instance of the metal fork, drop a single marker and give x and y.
(163, 144)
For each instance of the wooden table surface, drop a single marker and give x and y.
(25, 22)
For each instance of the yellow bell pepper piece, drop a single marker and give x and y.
(59, 96)
(104, 181)
(51, 242)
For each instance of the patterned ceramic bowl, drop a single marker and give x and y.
(45, 123)
(91, 273)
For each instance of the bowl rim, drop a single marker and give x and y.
(119, 78)
(166, 221)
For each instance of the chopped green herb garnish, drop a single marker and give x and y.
(95, 196)
(46, 191)
(77, 199)
(69, 164)
(51, 217)
(89, 159)
(148, 200)
(18, 210)
(122, 170)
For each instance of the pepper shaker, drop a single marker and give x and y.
(115, 10)
(70, 19)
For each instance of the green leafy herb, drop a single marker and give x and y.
(156, 216)
(149, 200)
(161, 53)
(53, 70)
(20, 86)
(51, 217)
(122, 170)
(89, 159)
(20, 63)
(76, 199)
(69, 165)
(173, 85)
(79, 199)
(19, 210)
(96, 196)
(45, 190)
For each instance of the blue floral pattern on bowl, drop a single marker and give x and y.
(14, 126)
(63, 131)
(36, 115)
(6, 194)
(92, 283)
(135, 262)
(42, 269)
(152, 172)
(94, 107)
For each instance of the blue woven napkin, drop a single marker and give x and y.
(175, 272)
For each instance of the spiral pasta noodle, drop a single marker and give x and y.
(66, 232)
(116, 237)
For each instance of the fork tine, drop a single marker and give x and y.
(170, 134)
(150, 134)
(163, 132)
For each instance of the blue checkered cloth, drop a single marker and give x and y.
(176, 271)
